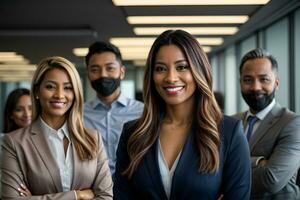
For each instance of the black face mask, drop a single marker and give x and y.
(105, 86)
(258, 104)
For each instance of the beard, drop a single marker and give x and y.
(258, 100)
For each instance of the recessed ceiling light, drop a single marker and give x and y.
(16, 58)
(140, 63)
(132, 41)
(17, 67)
(210, 41)
(142, 53)
(128, 51)
(80, 52)
(191, 30)
(8, 54)
(148, 41)
(15, 78)
(187, 2)
(221, 19)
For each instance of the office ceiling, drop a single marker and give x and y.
(37, 29)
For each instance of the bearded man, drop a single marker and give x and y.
(273, 132)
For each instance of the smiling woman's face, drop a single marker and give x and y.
(56, 95)
(172, 76)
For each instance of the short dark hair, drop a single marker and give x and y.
(11, 102)
(257, 54)
(100, 47)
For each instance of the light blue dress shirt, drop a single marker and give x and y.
(65, 161)
(109, 121)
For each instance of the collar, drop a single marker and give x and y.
(263, 113)
(50, 132)
(122, 100)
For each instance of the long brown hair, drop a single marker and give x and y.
(11, 102)
(207, 119)
(85, 143)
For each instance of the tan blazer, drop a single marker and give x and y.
(27, 159)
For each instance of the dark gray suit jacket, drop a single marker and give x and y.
(27, 159)
(278, 140)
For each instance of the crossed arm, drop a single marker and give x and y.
(14, 180)
(272, 174)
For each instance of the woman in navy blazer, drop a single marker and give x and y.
(182, 147)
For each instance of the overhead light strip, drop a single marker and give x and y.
(142, 55)
(14, 78)
(148, 41)
(221, 19)
(187, 2)
(191, 30)
(141, 44)
(5, 67)
(11, 58)
(8, 54)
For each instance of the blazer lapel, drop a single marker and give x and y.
(242, 116)
(266, 124)
(42, 146)
(188, 154)
(76, 168)
(153, 169)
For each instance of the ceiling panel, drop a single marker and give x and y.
(37, 29)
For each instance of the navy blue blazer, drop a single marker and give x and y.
(233, 179)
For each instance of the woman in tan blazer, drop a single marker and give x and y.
(55, 157)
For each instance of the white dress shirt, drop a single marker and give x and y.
(64, 162)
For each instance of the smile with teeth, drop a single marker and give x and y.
(174, 90)
(57, 104)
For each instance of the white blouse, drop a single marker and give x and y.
(166, 174)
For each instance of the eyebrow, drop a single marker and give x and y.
(54, 82)
(111, 63)
(259, 75)
(94, 65)
(176, 62)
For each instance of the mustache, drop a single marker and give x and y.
(256, 93)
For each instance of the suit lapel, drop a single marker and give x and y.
(188, 154)
(153, 169)
(42, 146)
(244, 118)
(76, 168)
(265, 125)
